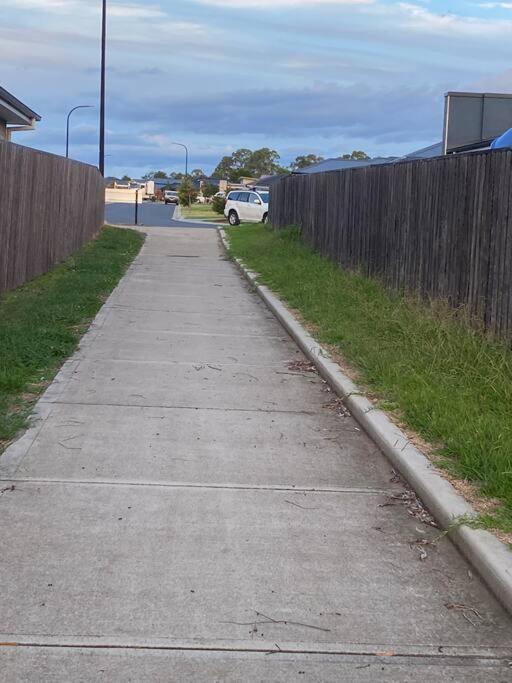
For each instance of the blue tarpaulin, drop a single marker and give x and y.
(504, 140)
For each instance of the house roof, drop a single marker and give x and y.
(342, 164)
(268, 180)
(435, 150)
(14, 112)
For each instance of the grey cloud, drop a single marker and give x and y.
(326, 110)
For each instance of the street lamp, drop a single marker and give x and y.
(80, 106)
(101, 163)
(180, 144)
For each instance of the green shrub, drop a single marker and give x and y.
(218, 204)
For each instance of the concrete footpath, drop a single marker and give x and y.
(192, 504)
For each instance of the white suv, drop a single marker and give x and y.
(246, 205)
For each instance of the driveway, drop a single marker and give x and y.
(192, 504)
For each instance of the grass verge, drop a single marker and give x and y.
(433, 373)
(42, 321)
(202, 212)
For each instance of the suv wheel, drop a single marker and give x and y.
(265, 218)
(233, 218)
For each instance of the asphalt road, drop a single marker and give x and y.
(149, 214)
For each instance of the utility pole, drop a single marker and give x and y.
(101, 164)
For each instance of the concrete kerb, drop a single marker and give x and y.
(490, 557)
(198, 221)
(179, 217)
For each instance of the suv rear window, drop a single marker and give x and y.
(233, 196)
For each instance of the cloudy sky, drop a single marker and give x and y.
(300, 76)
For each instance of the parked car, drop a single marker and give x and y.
(171, 197)
(246, 205)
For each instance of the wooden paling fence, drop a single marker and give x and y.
(441, 227)
(49, 207)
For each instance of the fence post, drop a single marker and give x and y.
(136, 207)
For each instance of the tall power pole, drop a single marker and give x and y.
(101, 164)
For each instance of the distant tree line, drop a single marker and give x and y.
(162, 175)
(253, 164)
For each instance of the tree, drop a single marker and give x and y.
(187, 193)
(243, 162)
(197, 173)
(356, 155)
(305, 160)
(176, 175)
(241, 158)
(224, 169)
(126, 178)
(234, 166)
(208, 190)
(263, 162)
(152, 175)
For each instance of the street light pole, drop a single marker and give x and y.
(101, 163)
(180, 144)
(80, 106)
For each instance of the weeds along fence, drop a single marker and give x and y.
(441, 227)
(49, 207)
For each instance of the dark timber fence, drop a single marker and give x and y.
(441, 227)
(49, 207)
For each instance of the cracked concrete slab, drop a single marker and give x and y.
(191, 347)
(58, 664)
(124, 320)
(204, 563)
(170, 445)
(232, 386)
(185, 303)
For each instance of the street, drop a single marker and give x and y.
(149, 213)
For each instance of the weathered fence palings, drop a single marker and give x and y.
(49, 207)
(441, 227)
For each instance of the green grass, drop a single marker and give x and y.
(442, 378)
(42, 322)
(201, 212)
